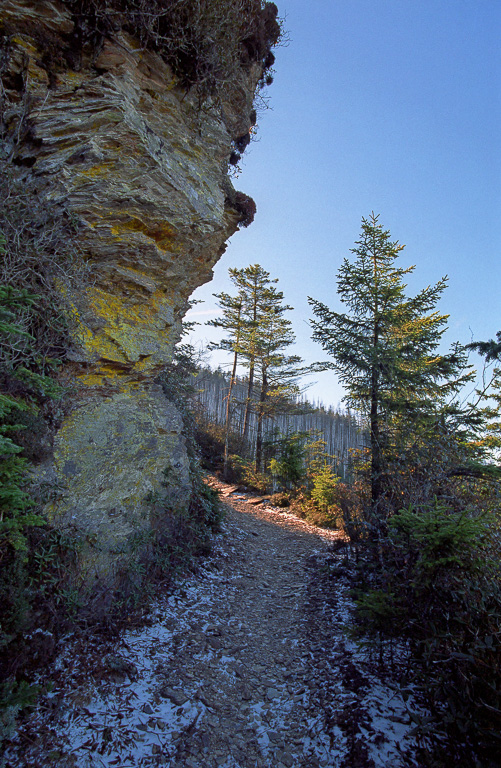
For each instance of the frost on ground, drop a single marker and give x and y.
(245, 665)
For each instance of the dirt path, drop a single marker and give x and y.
(245, 665)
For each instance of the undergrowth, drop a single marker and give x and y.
(34, 559)
(435, 580)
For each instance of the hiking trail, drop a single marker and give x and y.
(245, 664)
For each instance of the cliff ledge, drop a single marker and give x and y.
(141, 167)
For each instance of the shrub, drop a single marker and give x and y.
(207, 43)
(246, 207)
(210, 439)
(300, 505)
(163, 552)
(288, 465)
(14, 697)
(303, 506)
(323, 493)
(329, 503)
(23, 597)
(245, 471)
(280, 499)
(16, 513)
(440, 586)
(39, 259)
(352, 501)
(16, 516)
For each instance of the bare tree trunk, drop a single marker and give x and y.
(228, 413)
(250, 388)
(375, 437)
(260, 417)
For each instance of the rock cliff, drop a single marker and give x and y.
(141, 167)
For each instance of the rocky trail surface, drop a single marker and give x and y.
(245, 664)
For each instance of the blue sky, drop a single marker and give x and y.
(385, 105)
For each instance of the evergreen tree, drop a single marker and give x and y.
(385, 349)
(260, 294)
(231, 321)
(490, 349)
(257, 336)
(491, 413)
(242, 314)
(278, 372)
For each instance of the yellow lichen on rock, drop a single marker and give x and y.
(110, 456)
(128, 154)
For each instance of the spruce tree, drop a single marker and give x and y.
(257, 336)
(491, 349)
(259, 291)
(278, 372)
(232, 321)
(491, 412)
(384, 349)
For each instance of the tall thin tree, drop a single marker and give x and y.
(385, 349)
(231, 321)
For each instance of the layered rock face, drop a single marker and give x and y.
(143, 171)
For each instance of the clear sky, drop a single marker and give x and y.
(385, 105)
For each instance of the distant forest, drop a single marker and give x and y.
(341, 430)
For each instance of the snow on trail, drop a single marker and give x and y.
(245, 665)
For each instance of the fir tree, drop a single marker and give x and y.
(257, 336)
(232, 321)
(491, 413)
(260, 293)
(491, 349)
(278, 371)
(385, 349)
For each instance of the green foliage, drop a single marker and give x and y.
(302, 465)
(177, 534)
(15, 504)
(162, 553)
(245, 471)
(210, 439)
(258, 337)
(428, 491)
(11, 301)
(440, 587)
(177, 382)
(490, 441)
(325, 483)
(233, 321)
(490, 349)
(14, 697)
(380, 610)
(288, 465)
(204, 505)
(34, 588)
(40, 258)
(316, 456)
(319, 504)
(39, 385)
(385, 351)
(52, 573)
(436, 541)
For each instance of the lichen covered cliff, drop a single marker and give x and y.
(109, 133)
